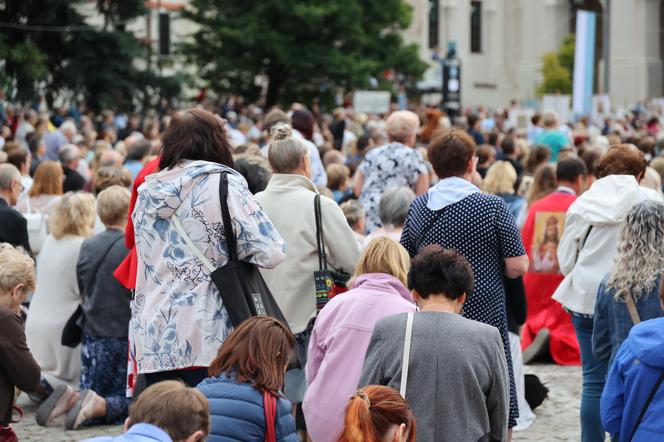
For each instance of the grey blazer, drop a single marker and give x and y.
(458, 385)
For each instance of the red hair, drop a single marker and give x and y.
(372, 411)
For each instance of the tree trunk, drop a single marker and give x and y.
(273, 91)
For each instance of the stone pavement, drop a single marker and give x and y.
(557, 418)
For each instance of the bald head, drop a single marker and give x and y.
(111, 158)
(401, 126)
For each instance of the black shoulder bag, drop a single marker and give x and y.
(651, 396)
(329, 282)
(243, 291)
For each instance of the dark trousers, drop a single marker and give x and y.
(191, 377)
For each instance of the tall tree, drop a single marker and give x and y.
(558, 69)
(300, 49)
(48, 44)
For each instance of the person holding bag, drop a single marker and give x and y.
(244, 387)
(451, 370)
(315, 251)
(178, 318)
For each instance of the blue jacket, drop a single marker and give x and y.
(612, 322)
(237, 412)
(638, 365)
(137, 433)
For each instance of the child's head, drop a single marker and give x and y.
(337, 177)
(355, 215)
(180, 411)
(17, 276)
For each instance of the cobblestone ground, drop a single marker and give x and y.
(557, 418)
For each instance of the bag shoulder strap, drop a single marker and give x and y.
(101, 261)
(406, 354)
(320, 237)
(229, 235)
(651, 396)
(192, 247)
(433, 222)
(633, 311)
(583, 244)
(270, 407)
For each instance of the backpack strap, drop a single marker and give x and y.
(651, 396)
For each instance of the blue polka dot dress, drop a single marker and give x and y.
(481, 228)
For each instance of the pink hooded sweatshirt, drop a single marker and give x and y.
(338, 344)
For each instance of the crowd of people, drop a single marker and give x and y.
(418, 263)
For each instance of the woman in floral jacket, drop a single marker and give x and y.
(178, 321)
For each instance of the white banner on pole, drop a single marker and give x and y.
(559, 104)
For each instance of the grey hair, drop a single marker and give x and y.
(68, 126)
(640, 258)
(353, 211)
(285, 152)
(402, 125)
(394, 206)
(69, 153)
(8, 173)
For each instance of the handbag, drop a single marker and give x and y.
(72, 333)
(37, 226)
(7, 433)
(329, 282)
(241, 287)
(270, 406)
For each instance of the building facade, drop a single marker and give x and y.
(500, 44)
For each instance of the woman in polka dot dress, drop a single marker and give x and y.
(456, 215)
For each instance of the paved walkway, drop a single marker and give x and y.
(557, 418)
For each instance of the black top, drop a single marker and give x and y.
(105, 301)
(73, 180)
(13, 227)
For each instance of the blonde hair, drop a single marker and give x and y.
(73, 215)
(337, 175)
(48, 179)
(500, 178)
(175, 408)
(17, 268)
(402, 125)
(113, 205)
(384, 255)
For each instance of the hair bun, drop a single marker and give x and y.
(281, 131)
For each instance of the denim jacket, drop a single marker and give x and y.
(612, 321)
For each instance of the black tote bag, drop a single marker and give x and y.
(243, 291)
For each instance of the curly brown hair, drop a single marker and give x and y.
(622, 159)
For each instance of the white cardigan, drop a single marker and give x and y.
(604, 207)
(288, 201)
(53, 302)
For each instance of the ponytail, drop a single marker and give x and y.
(371, 413)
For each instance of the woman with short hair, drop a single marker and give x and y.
(393, 210)
(457, 381)
(247, 374)
(178, 320)
(342, 332)
(456, 215)
(635, 278)
(57, 295)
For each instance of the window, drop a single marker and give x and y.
(476, 26)
(433, 24)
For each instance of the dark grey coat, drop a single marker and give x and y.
(458, 386)
(105, 301)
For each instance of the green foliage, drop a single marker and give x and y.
(558, 69)
(51, 47)
(300, 49)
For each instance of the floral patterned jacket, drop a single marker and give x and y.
(178, 320)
